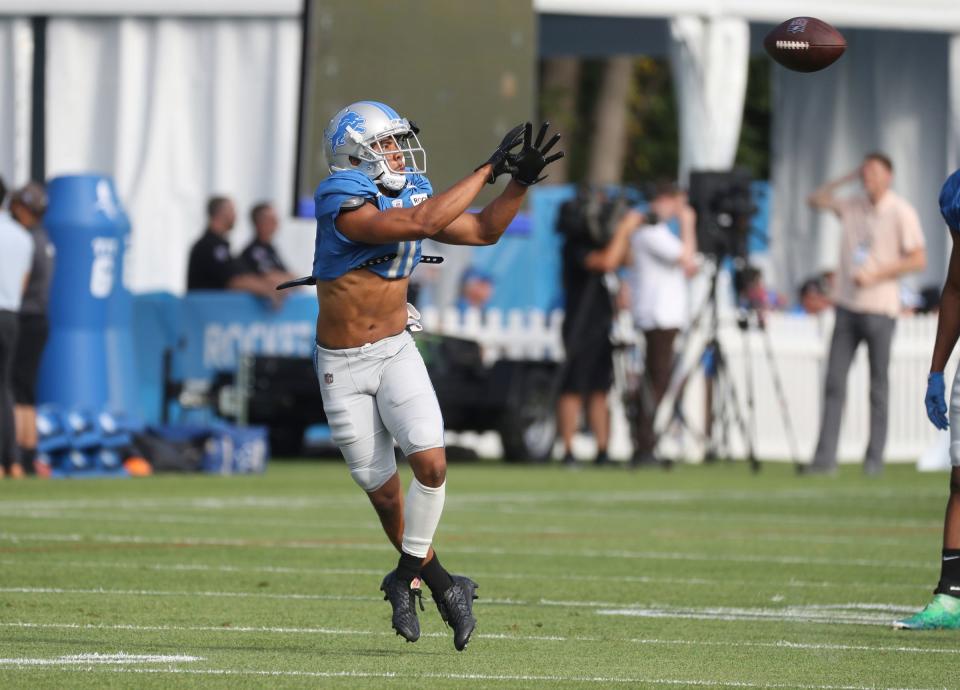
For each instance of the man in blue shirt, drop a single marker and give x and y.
(372, 214)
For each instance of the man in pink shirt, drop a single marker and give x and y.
(881, 241)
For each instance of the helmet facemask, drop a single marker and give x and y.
(375, 157)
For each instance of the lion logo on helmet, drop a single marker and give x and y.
(350, 120)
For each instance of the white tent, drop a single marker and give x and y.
(176, 99)
(180, 99)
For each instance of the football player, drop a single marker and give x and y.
(943, 612)
(372, 213)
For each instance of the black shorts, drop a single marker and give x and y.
(26, 360)
(590, 367)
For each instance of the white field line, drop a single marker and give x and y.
(451, 528)
(603, 497)
(785, 614)
(880, 614)
(778, 644)
(498, 575)
(163, 518)
(694, 682)
(526, 504)
(485, 551)
(97, 658)
(804, 520)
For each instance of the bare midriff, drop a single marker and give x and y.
(358, 308)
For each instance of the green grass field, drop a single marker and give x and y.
(700, 577)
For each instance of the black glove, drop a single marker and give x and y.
(527, 165)
(499, 159)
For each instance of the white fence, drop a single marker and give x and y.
(798, 345)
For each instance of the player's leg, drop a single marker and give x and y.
(409, 408)
(367, 447)
(843, 345)
(943, 612)
(878, 332)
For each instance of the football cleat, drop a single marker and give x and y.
(456, 609)
(403, 598)
(943, 613)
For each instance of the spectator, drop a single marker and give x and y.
(661, 265)
(476, 289)
(260, 256)
(591, 249)
(881, 240)
(16, 256)
(27, 206)
(814, 295)
(212, 267)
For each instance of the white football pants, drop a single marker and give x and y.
(374, 394)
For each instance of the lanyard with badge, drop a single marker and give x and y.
(862, 249)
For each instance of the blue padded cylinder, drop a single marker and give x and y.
(86, 224)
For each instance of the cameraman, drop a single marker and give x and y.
(661, 263)
(591, 249)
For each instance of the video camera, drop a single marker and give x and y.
(592, 216)
(724, 208)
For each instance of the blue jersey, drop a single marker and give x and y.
(335, 254)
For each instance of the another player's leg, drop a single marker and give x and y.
(943, 612)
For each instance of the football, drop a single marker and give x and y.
(805, 44)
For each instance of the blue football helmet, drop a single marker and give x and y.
(357, 139)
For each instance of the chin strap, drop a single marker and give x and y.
(310, 280)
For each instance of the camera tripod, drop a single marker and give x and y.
(725, 407)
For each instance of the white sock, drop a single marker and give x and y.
(421, 515)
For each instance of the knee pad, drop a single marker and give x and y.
(372, 477)
(371, 469)
(421, 434)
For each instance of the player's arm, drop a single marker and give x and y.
(488, 226)
(948, 330)
(948, 320)
(372, 226)
(824, 198)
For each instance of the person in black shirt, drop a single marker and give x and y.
(595, 243)
(212, 267)
(27, 206)
(260, 256)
